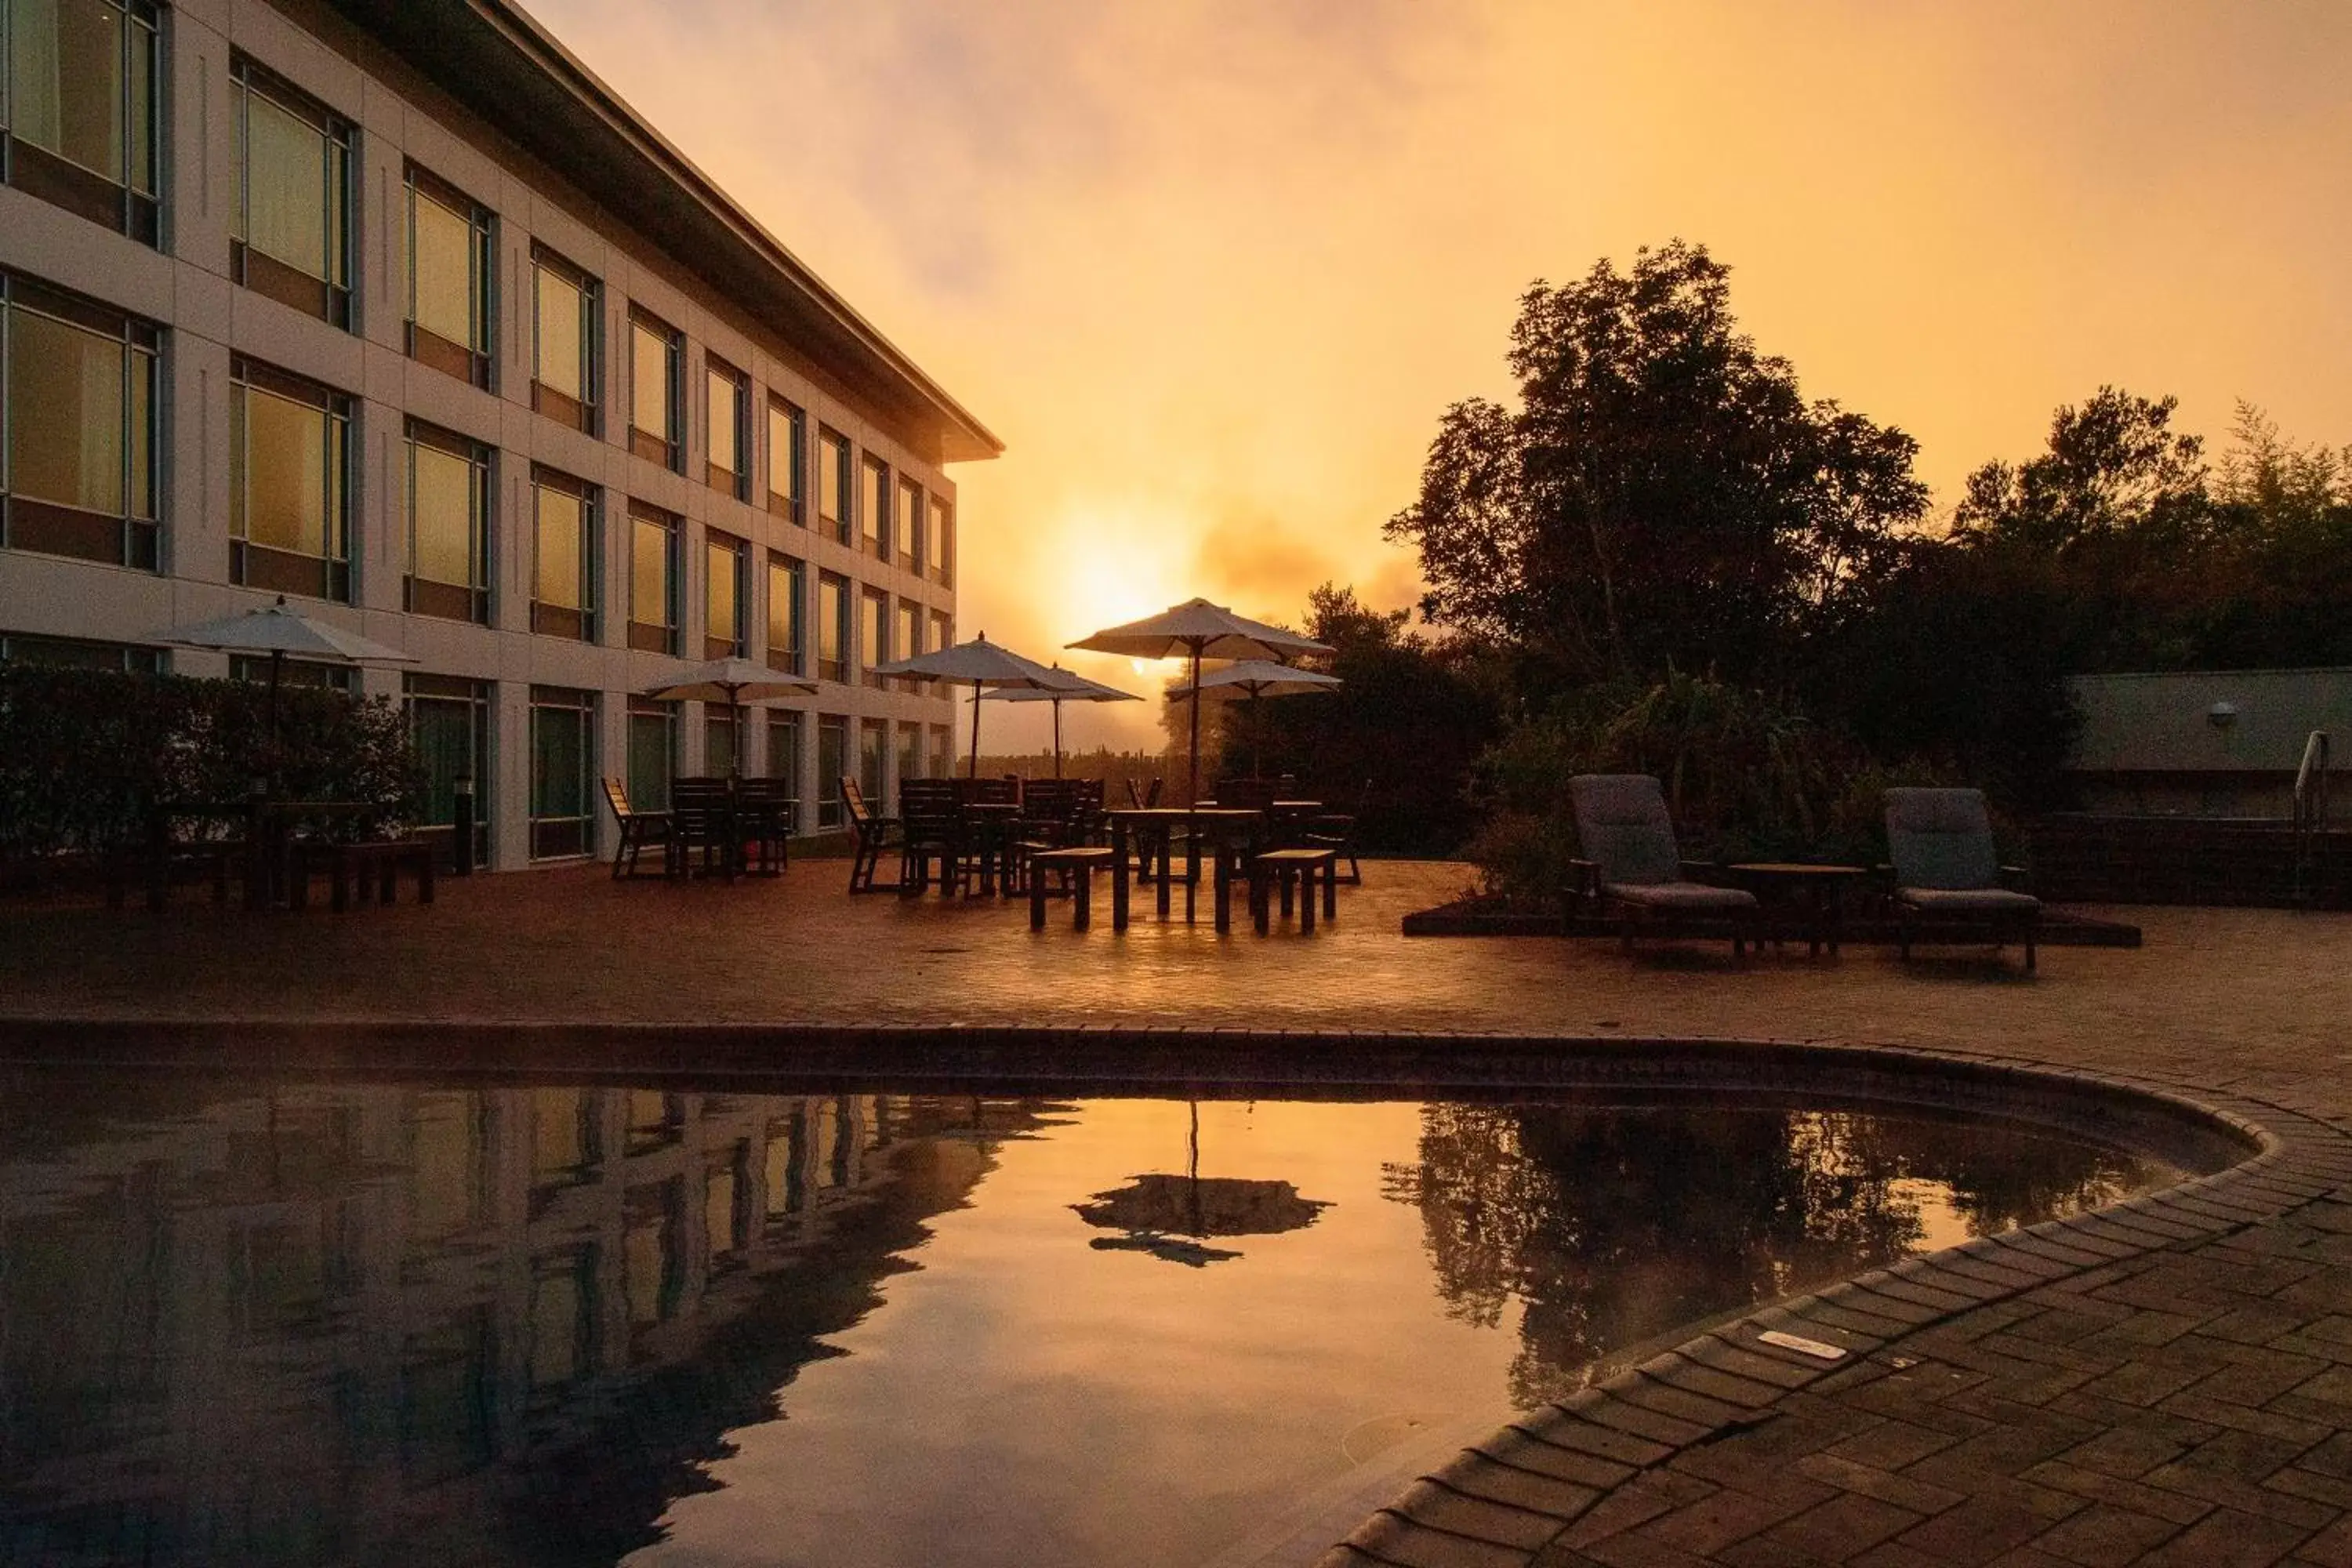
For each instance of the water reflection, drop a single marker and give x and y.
(1604, 1226)
(562, 1325)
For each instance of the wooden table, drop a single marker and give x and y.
(993, 823)
(1814, 895)
(1223, 825)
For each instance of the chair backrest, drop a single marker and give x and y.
(927, 807)
(617, 796)
(1622, 825)
(992, 792)
(1049, 800)
(1248, 795)
(1940, 838)
(853, 803)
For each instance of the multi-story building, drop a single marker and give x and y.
(390, 307)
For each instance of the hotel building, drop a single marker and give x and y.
(390, 307)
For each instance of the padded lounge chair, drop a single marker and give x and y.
(1632, 866)
(1946, 872)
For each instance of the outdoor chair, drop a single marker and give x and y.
(1632, 868)
(639, 830)
(763, 820)
(1335, 831)
(701, 818)
(1946, 874)
(871, 836)
(1248, 795)
(1143, 800)
(930, 831)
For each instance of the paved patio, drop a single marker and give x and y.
(2170, 1385)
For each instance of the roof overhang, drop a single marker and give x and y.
(501, 64)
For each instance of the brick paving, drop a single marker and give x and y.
(2170, 1381)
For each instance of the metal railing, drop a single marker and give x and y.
(2310, 810)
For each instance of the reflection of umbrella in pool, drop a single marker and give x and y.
(1169, 1216)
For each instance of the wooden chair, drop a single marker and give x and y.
(1335, 831)
(930, 830)
(1288, 870)
(871, 836)
(702, 817)
(763, 819)
(1077, 866)
(1632, 868)
(639, 830)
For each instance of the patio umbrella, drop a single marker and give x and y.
(1083, 690)
(1169, 1216)
(282, 633)
(1257, 679)
(1200, 630)
(733, 682)
(985, 665)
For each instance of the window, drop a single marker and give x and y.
(564, 317)
(448, 525)
(724, 563)
(832, 767)
(449, 722)
(873, 627)
(563, 556)
(785, 754)
(653, 752)
(309, 674)
(910, 752)
(562, 771)
(653, 579)
(728, 407)
(942, 750)
(289, 488)
(833, 483)
(655, 408)
(943, 630)
(75, 653)
(877, 499)
(910, 527)
(451, 283)
(77, 405)
(787, 582)
(940, 555)
(911, 640)
(833, 610)
(786, 428)
(292, 235)
(719, 759)
(77, 108)
(872, 744)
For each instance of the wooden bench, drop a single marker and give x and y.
(1079, 863)
(1286, 868)
(375, 865)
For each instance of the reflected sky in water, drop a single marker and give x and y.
(292, 1322)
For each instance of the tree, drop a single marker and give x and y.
(1664, 495)
(2114, 469)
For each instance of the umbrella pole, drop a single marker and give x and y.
(1057, 737)
(975, 730)
(1257, 736)
(1192, 798)
(276, 667)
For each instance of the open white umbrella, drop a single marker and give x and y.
(1200, 630)
(282, 633)
(1256, 678)
(983, 664)
(1083, 691)
(733, 682)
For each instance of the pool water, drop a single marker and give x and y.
(292, 1322)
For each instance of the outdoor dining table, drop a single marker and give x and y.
(1223, 826)
(993, 824)
(268, 834)
(737, 814)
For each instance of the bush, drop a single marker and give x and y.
(86, 754)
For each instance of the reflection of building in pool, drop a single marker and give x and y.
(493, 1325)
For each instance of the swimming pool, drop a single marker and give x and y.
(539, 1322)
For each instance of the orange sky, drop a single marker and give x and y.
(1212, 269)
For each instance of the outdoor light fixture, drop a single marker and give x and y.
(2221, 715)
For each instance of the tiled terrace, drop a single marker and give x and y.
(2172, 1385)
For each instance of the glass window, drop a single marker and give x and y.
(784, 753)
(942, 752)
(911, 640)
(653, 752)
(832, 767)
(655, 408)
(448, 525)
(289, 519)
(77, 405)
(77, 108)
(450, 278)
(562, 771)
(728, 397)
(939, 553)
(723, 618)
(942, 629)
(910, 752)
(787, 582)
(653, 579)
(834, 640)
(876, 506)
(873, 746)
(292, 233)
(563, 348)
(74, 653)
(563, 556)
(718, 758)
(833, 484)
(787, 428)
(449, 722)
(910, 526)
(873, 627)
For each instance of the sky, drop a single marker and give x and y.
(1212, 269)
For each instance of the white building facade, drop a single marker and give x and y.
(392, 308)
